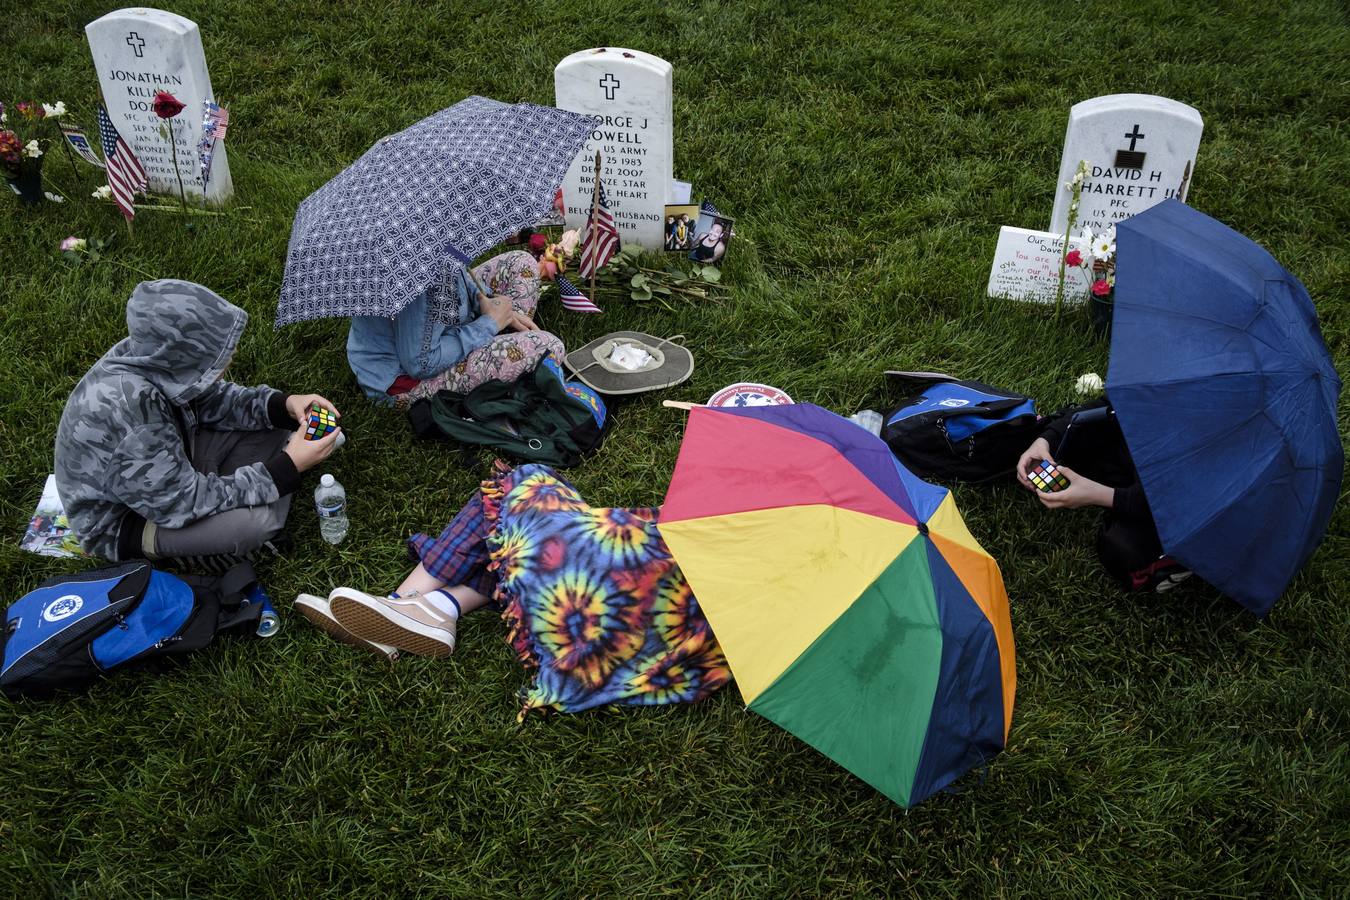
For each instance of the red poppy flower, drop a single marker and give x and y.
(166, 105)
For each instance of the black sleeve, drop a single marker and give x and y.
(276, 411)
(284, 473)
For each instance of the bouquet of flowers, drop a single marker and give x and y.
(554, 257)
(23, 143)
(1102, 261)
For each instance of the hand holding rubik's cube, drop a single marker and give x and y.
(1047, 478)
(321, 423)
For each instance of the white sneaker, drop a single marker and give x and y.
(408, 623)
(316, 610)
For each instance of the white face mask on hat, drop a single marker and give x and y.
(629, 357)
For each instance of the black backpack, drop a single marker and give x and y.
(959, 430)
(72, 629)
(538, 418)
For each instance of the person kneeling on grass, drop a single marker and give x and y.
(157, 457)
(1104, 475)
(449, 339)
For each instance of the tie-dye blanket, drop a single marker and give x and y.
(594, 601)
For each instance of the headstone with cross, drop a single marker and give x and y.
(140, 51)
(630, 95)
(1140, 150)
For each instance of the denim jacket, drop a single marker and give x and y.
(415, 342)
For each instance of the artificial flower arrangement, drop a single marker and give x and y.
(554, 257)
(1100, 261)
(23, 142)
(628, 271)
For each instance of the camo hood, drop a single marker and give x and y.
(180, 337)
(124, 444)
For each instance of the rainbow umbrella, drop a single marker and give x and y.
(853, 606)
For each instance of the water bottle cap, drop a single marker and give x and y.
(326, 481)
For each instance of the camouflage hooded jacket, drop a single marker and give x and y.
(123, 445)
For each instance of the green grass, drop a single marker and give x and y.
(1160, 745)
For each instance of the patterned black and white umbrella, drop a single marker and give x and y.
(422, 203)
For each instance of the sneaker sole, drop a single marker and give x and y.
(1172, 581)
(382, 627)
(335, 630)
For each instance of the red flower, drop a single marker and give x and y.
(538, 243)
(166, 105)
(1074, 258)
(30, 110)
(1100, 287)
(11, 148)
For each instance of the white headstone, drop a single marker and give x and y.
(1026, 267)
(1140, 150)
(629, 94)
(139, 51)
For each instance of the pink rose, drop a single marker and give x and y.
(548, 268)
(1100, 287)
(1074, 258)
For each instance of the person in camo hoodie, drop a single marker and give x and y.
(158, 457)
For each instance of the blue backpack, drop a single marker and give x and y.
(959, 430)
(74, 628)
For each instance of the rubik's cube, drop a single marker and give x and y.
(1047, 477)
(321, 423)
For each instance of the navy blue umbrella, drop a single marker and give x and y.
(421, 204)
(1227, 398)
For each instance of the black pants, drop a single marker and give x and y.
(1124, 544)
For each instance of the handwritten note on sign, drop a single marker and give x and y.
(1026, 267)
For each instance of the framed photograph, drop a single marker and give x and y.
(681, 219)
(711, 237)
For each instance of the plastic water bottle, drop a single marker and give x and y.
(869, 419)
(331, 501)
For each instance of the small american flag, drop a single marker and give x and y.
(215, 122)
(708, 209)
(77, 139)
(574, 299)
(602, 238)
(125, 174)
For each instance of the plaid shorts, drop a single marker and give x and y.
(460, 554)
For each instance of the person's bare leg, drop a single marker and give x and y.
(421, 581)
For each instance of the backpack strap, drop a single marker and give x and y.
(236, 580)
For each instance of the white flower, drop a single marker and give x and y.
(32, 149)
(55, 112)
(103, 193)
(55, 198)
(1103, 246)
(1088, 383)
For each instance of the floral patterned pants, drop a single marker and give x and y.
(508, 355)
